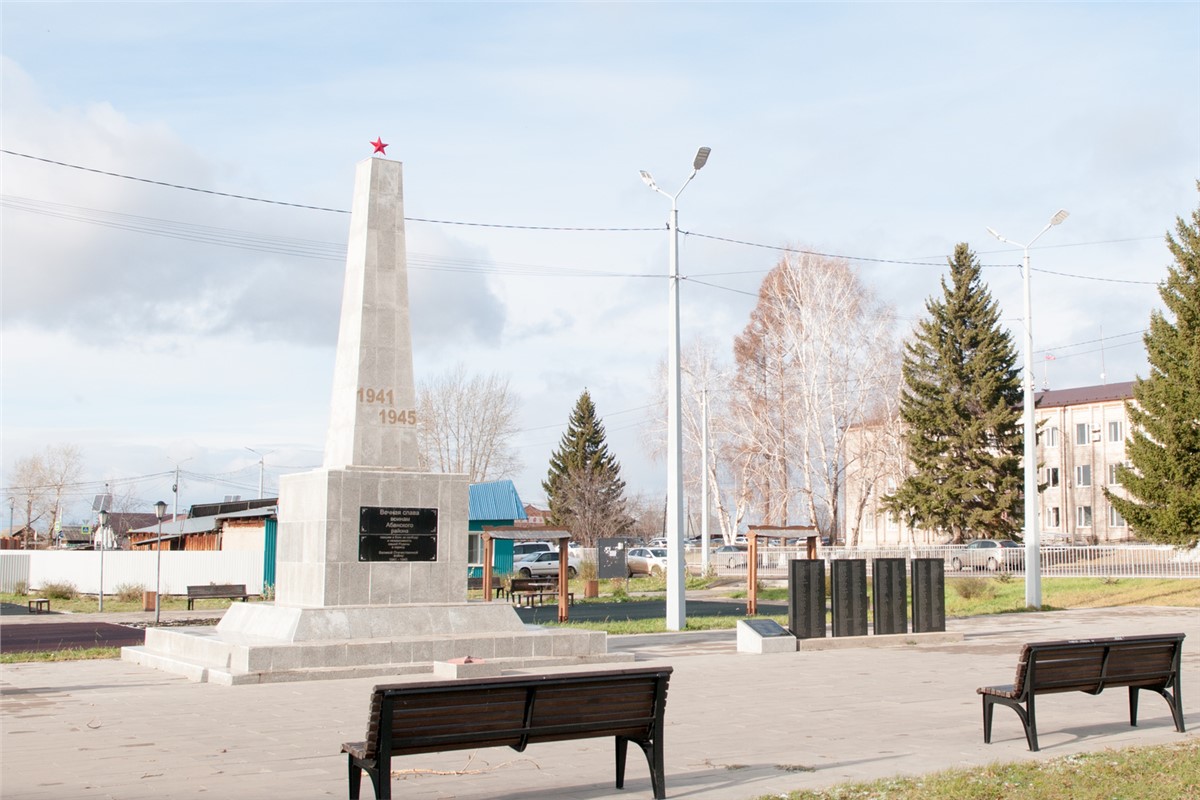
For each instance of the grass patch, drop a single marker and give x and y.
(1165, 772)
(78, 654)
(88, 603)
(973, 595)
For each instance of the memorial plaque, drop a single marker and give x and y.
(929, 595)
(766, 627)
(849, 587)
(806, 598)
(397, 534)
(889, 602)
(610, 557)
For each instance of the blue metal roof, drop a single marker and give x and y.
(495, 500)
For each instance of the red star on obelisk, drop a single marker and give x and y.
(379, 145)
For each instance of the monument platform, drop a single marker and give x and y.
(265, 643)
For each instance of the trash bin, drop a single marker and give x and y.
(148, 599)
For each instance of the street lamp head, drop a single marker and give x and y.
(103, 519)
(648, 180)
(1059, 216)
(160, 510)
(993, 232)
(701, 157)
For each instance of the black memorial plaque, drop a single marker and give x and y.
(397, 534)
(929, 595)
(766, 627)
(889, 603)
(849, 588)
(806, 598)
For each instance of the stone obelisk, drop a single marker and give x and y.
(367, 528)
(371, 554)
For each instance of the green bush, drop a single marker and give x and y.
(129, 592)
(60, 590)
(21, 588)
(972, 588)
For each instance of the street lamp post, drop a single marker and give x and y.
(102, 523)
(676, 606)
(1033, 554)
(160, 511)
(261, 468)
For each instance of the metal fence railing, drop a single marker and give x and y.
(1096, 561)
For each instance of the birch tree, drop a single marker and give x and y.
(467, 424)
(813, 361)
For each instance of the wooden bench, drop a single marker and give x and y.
(211, 591)
(540, 596)
(513, 711)
(518, 585)
(39, 605)
(1089, 665)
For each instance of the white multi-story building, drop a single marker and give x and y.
(1081, 441)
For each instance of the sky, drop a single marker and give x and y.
(159, 327)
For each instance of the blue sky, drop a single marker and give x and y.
(882, 132)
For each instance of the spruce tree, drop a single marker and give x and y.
(961, 412)
(1163, 482)
(583, 486)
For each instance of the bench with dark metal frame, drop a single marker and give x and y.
(39, 605)
(513, 711)
(539, 596)
(211, 591)
(1089, 665)
(517, 585)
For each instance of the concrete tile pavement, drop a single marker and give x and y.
(738, 726)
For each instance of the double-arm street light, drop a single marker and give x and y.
(1033, 555)
(676, 608)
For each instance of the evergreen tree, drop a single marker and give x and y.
(1163, 482)
(961, 409)
(583, 486)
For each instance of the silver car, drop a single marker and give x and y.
(646, 561)
(990, 554)
(539, 565)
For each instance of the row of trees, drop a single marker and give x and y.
(816, 362)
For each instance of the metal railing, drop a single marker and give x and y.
(1096, 561)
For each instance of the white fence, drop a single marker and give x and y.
(36, 568)
(1100, 561)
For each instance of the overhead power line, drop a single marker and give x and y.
(253, 243)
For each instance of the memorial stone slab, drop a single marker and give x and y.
(928, 595)
(848, 582)
(889, 600)
(806, 598)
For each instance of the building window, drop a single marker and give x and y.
(1081, 433)
(474, 548)
(1051, 434)
(1083, 516)
(1114, 479)
(1051, 477)
(1115, 520)
(1053, 519)
(1083, 475)
(1115, 432)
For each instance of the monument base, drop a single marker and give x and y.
(265, 643)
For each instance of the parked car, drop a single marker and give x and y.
(990, 554)
(545, 564)
(731, 555)
(657, 541)
(522, 549)
(646, 561)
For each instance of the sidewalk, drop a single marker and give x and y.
(738, 726)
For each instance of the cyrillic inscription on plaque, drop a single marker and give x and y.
(397, 534)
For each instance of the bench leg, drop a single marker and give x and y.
(1026, 714)
(622, 751)
(1172, 702)
(355, 777)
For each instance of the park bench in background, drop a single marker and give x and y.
(1089, 665)
(513, 711)
(209, 591)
